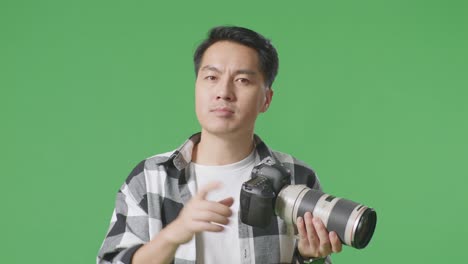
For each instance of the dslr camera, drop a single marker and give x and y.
(268, 193)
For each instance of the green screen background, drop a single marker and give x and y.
(372, 94)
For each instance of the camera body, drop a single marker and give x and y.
(258, 195)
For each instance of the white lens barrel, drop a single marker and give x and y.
(337, 214)
(285, 202)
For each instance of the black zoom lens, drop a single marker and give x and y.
(365, 228)
(354, 223)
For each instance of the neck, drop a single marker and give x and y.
(219, 150)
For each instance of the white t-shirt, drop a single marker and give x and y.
(222, 247)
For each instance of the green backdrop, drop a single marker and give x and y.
(372, 94)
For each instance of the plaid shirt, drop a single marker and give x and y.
(158, 188)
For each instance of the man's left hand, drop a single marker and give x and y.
(314, 239)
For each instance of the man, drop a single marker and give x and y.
(182, 206)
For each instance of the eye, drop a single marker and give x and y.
(210, 78)
(244, 81)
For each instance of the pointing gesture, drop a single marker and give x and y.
(200, 215)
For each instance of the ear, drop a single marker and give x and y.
(267, 102)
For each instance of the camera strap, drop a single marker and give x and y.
(266, 156)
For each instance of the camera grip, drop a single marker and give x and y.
(256, 202)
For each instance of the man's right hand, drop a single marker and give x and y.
(199, 215)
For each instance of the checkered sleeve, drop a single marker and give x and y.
(128, 229)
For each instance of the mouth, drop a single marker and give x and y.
(223, 107)
(222, 111)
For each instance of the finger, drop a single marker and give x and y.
(322, 232)
(227, 202)
(214, 207)
(311, 232)
(205, 226)
(203, 191)
(208, 216)
(301, 229)
(335, 242)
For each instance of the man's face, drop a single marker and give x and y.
(230, 90)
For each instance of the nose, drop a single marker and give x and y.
(225, 91)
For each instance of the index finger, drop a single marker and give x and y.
(208, 188)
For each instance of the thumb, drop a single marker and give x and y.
(227, 202)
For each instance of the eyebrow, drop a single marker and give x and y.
(241, 71)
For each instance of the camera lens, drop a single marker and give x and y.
(354, 223)
(365, 228)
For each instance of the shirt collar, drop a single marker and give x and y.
(183, 155)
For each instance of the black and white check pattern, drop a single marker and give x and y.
(157, 189)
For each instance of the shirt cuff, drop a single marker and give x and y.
(303, 260)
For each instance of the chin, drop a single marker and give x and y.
(225, 131)
(219, 130)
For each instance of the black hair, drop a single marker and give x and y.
(268, 57)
